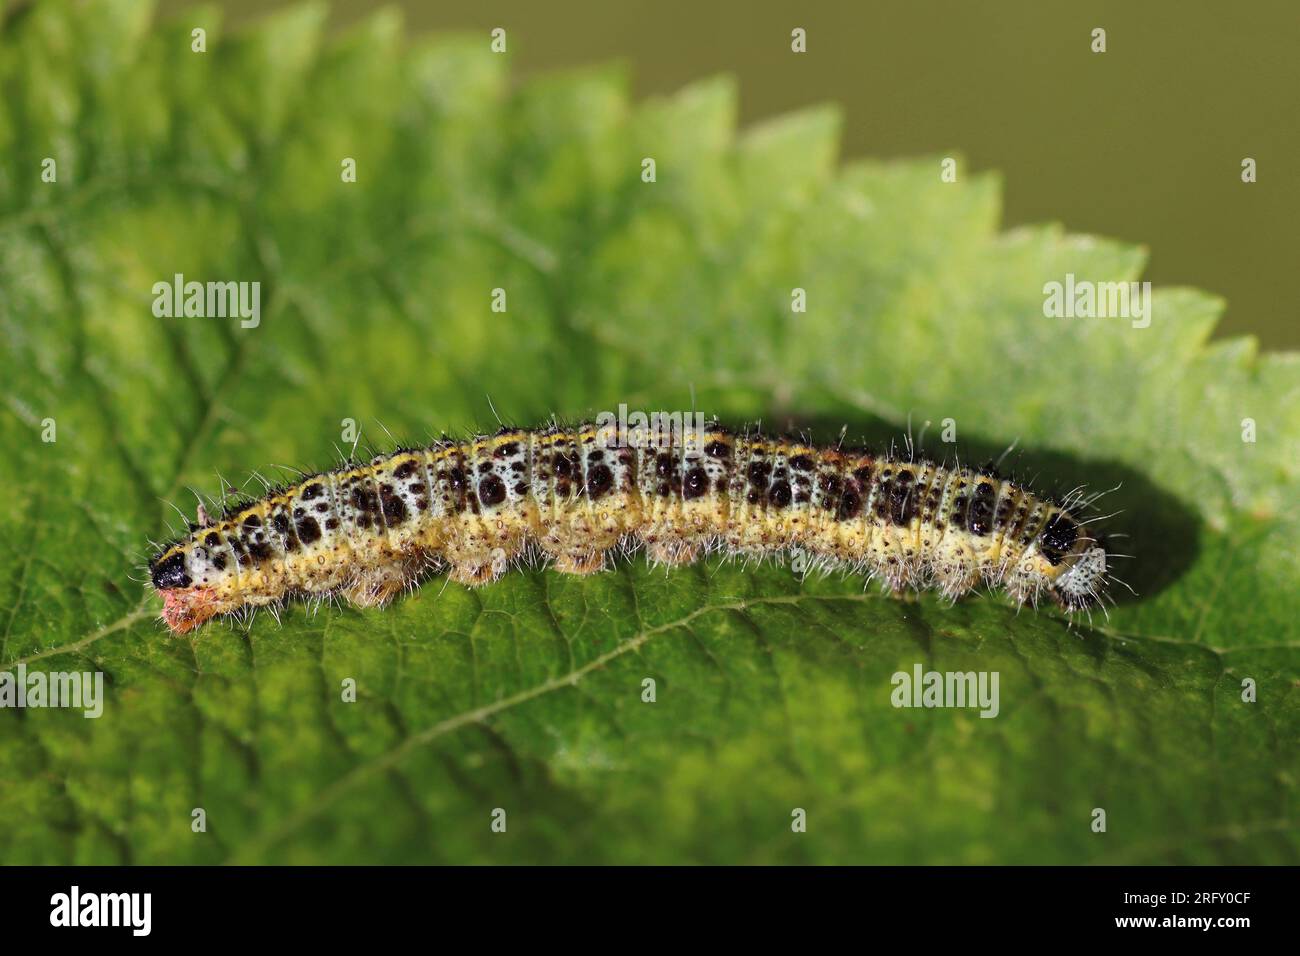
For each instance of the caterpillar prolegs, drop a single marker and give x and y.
(367, 531)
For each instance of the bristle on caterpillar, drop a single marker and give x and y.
(366, 532)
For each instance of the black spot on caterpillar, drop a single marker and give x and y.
(368, 531)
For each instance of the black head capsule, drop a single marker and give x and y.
(170, 573)
(1058, 537)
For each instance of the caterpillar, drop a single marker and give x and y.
(368, 531)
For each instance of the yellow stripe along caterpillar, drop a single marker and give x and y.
(572, 495)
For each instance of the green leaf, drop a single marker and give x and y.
(772, 693)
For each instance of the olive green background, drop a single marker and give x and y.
(1142, 143)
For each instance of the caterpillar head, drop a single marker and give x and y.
(192, 581)
(1073, 562)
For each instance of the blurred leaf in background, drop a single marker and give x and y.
(772, 693)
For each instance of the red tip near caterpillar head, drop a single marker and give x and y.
(185, 609)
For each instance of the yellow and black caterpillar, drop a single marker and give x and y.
(367, 531)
